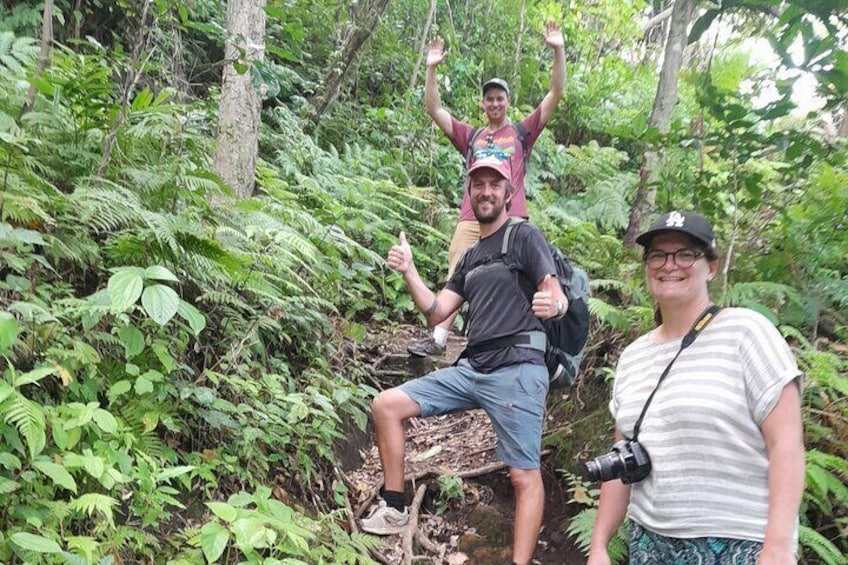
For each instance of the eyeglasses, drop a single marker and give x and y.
(490, 140)
(684, 258)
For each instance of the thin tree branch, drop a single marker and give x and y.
(129, 85)
(43, 54)
(422, 45)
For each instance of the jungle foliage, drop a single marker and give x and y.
(178, 363)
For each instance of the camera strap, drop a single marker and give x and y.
(703, 320)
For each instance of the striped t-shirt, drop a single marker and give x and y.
(709, 461)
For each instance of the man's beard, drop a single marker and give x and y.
(489, 218)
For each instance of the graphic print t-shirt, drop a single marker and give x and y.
(503, 144)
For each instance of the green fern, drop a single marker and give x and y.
(16, 53)
(822, 547)
(580, 528)
(94, 503)
(608, 314)
(28, 418)
(761, 294)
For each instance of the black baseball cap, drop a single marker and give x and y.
(690, 223)
(495, 83)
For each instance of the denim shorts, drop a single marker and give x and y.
(512, 396)
(649, 548)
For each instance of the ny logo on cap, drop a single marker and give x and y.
(675, 220)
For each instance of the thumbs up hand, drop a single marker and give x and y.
(544, 301)
(400, 255)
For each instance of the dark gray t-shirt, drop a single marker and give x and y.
(497, 305)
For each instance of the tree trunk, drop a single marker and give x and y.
(359, 29)
(843, 124)
(240, 104)
(516, 61)
(664, 103)
(43, 54)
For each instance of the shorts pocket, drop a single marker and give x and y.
(533, 381)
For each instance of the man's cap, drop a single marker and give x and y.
(690, 223)
(495, 83)
(500, 166)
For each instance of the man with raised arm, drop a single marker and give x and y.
(509, 381)
(500, 139)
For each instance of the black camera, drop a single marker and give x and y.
(627, 461)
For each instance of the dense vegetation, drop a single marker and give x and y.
(178, 362)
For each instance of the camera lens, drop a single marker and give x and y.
(605, 467)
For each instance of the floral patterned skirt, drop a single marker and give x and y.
(648, 548)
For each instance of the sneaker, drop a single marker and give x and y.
(385, 520)
(426, 348)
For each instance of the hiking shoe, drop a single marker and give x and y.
(385, 520)
(426, 348)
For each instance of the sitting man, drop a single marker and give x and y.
(509, 383)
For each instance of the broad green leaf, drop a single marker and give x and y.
(160, 302)
(133, 341)
(28, 236)
(164, 357)
(159, 273)
(8, 330)
(194, 317)
(34, 542)
(33, 376)
(105, 421)
(125, 287)
(213, 541)
(143, 386)
(6, 390)
(57, 473)
(150, 421)
(249, 532)
(222, 510)
(60, 434)
(173, 472)
(8, 486)
(153, 376)
(93, 465)
(9, 461)
(240, 499)
(117, 389)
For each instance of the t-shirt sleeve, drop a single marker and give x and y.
(457, 281)
(533, 254)
(533, 126)
(461, 131)
(767, 364)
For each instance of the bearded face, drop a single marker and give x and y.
(489, 194)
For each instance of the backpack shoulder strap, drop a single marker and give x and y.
(522, 280)
(521, 133)
(469, 152)
(513, 223)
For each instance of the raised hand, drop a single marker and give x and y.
(436, 54)
(553, 35)
(400, 255)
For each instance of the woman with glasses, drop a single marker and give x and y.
(723, 431)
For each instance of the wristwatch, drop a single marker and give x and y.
(560, 309)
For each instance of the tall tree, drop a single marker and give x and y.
(364, 18)
(240, 104)
(660, 119)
